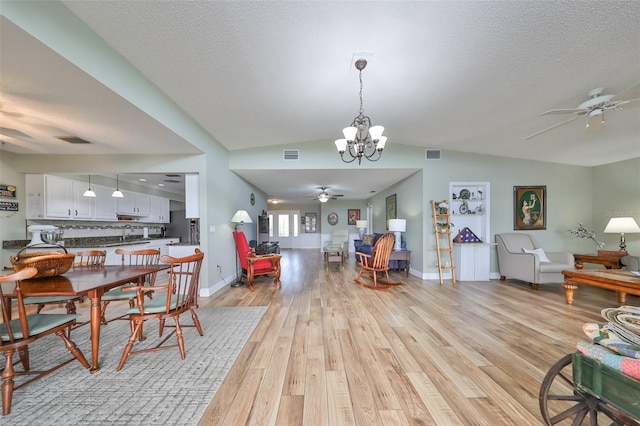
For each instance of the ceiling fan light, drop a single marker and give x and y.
(350, 133)
(323, 199)
(376, 132)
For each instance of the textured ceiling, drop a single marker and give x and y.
(468, 76)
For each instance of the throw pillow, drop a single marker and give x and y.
(367, 240)
(540, 253)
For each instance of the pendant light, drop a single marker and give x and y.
(117, 193)
(89, 192)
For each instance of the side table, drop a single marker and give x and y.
(609, 259)
(333, 254)
(402, 255)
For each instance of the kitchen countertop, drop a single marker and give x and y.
(92, 242)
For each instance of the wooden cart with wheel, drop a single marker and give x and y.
(579, 390)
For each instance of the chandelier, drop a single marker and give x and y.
(361, 139)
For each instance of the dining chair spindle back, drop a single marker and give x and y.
(181, 295)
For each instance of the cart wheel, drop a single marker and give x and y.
(562, 403)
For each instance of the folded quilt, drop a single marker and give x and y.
(608, 337)
(626, 365)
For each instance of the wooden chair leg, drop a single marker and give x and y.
(103, 319)
(7, 382)
(196, 322)
(23, 353)
(73, 349)
(180, 338)
(129, 346)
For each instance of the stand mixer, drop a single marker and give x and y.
(51, 234)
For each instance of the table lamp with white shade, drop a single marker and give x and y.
(622, 225)
(240, 218)
(397, 226)
(362, 227)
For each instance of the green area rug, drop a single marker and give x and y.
(155, 388)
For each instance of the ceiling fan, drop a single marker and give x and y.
(594, 108)
(324, 196)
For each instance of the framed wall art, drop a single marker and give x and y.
(529, 208)
(353, 215)
(309, 222)
(392, 213)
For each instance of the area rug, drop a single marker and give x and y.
(154, 388)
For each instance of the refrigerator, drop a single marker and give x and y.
(187, 229)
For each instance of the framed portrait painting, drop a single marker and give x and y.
(529, 208)
(391, 208)
(353, 215)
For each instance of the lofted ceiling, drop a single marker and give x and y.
(463, 75)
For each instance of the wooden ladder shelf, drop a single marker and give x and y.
(442, 231)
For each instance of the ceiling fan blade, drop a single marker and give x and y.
(628, 103)
(552, 127)
(633, 93)
(564, 111)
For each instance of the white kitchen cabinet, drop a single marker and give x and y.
(83, 207)
(105, 208)
(159, 210)
(53, 197)
(471, 261)
(134, 204)
(58, 199)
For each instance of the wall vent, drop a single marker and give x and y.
(291, 154)
(431, 154)
(72, 139)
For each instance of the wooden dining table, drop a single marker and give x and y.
(92, 282)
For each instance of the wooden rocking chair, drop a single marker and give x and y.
(377, 261)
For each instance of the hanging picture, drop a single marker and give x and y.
(309, 222)
(353, 215)
(391, 208)
(529, 207)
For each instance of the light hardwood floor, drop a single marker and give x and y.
(329, 352)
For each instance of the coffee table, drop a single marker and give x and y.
(606, 258)
(622, 281)
(333, 254)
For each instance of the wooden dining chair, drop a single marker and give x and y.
(377, 262)
(83, 258)
(17, 334)
(181, 296)
(90, 258)
(144, 257)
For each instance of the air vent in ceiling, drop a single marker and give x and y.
(13, 133)
(73, 139)
(431, 154)
(171, 181)
(173, 175)
(291, 154)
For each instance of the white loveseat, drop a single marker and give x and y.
(514, 263)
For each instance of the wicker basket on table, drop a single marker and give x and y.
(48, 263)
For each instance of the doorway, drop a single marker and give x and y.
(286, 228)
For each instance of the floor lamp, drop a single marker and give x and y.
(240, 218)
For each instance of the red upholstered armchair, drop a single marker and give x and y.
(253, 265)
